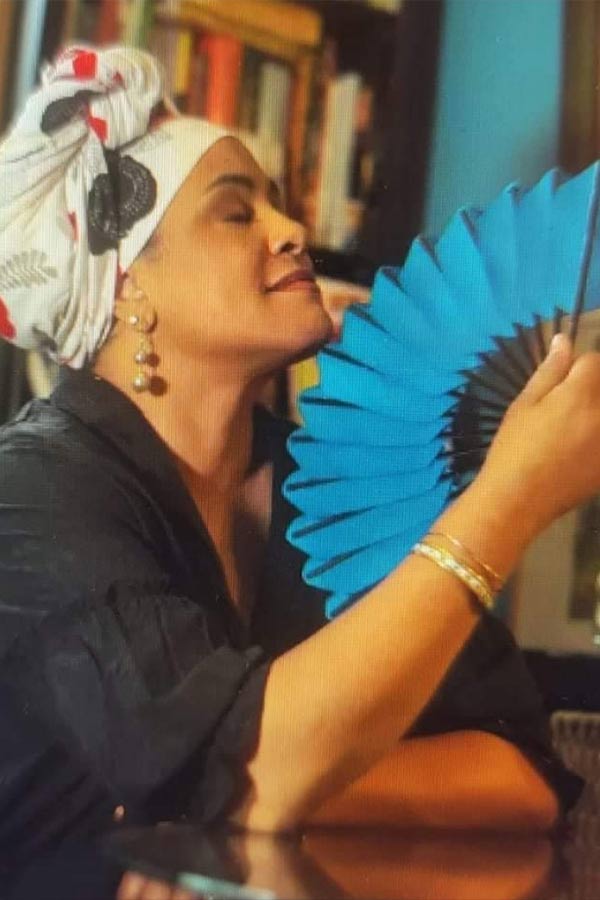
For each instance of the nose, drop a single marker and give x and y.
(286, 235)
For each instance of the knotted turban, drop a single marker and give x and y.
(86, 173)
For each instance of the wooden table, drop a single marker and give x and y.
(334, 864)
(383, 865)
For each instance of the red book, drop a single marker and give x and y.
(108, 23)
(224, 56)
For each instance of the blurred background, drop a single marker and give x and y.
(379, 118)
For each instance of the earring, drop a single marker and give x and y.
(144, 353)
(142, 318)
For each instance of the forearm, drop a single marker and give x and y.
(338, 702)
(466, 779)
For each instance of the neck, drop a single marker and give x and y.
(204, 415)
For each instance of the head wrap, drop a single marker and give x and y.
(86, 174)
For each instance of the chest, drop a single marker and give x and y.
(244, 543)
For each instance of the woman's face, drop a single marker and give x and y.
(216, 269)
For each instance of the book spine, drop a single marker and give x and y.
(172, 46)
(196, 100)
(314, 149)
(107, 24)
(224, 55)
(249, 89)
(137, 16)
(7, 21)
(340, 135)
(272, 116)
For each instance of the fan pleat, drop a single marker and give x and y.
(363, 526)
(373, 562)
(362, 425)
(367, 491)
(346, 460)
(502, 366)
(381, 394)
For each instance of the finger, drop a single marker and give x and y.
(183, 894)
(131, 886)
(551, 371)
(156, 890)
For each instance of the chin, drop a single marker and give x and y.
(277, 359)
(315, 338)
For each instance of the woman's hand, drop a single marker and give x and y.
(546, 451)
(135, 886)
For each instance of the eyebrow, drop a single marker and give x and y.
(245, 181)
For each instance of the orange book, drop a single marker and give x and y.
(224, 56)
(108, 23)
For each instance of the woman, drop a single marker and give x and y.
(155, 627)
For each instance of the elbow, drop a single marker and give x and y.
(264, 819)
(536, 809)
(255, 814)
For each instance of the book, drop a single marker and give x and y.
(196, 97)
(390, 6)
(249, 86)
(314, 146)
(105, 20)
(136, 22)
(8, 10)
(273, 100)
(224, 55)
(172, 45)
(339, 140)
(272, 114)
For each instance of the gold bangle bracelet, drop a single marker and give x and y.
(445, 560)
(432, 539)
(499, 581)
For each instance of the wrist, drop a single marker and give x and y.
(497, 524)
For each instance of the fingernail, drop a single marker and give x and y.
(555, 343)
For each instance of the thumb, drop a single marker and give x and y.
(551, 371)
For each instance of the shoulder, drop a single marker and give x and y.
(48, 457)
(70, 522)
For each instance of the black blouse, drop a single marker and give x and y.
(127, 677)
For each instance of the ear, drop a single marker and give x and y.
(132, 306)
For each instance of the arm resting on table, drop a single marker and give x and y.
(343, 699)
(464, 779)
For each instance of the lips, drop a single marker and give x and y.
(298, 277)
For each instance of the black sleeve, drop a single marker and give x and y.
(489, 688)
(137, 691)
(138, 681)
(46, 791)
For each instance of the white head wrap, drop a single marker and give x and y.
(86, 174)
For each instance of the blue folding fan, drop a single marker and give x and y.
(411, 397)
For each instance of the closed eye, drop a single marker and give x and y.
(242, 215)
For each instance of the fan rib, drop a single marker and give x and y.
(460, 454)
(492, 363)
(557, 318)
(486, 404)
(539, 333)
(525, 345)
(476, 378)
(523, 374)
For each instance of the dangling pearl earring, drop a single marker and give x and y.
(145, 351)
(142, 320)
